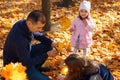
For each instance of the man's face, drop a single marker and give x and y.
(36, 27)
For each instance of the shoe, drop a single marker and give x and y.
(44, 69)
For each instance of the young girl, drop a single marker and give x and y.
(78, 71)
(82, 28)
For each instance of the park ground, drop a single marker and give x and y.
(106, 36)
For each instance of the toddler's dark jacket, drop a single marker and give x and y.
(103, 71)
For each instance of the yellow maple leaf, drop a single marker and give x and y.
(14, 71)
(65, 23)
(60, 46)
(64, 70)
(16, 75)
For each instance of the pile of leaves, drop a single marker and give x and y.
(106, 36)
(14, 72)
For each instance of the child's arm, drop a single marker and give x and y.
(72, 27)
(89, 25)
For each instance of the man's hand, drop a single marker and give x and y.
(52, 53)
(54, 44)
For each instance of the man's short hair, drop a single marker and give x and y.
(36, 16)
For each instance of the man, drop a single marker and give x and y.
(18, 47)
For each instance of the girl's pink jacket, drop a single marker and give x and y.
(85, 32)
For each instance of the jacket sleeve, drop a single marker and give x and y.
(43, 39)
(23, 53)
(105, 73)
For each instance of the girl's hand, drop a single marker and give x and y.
(85, 21)
(71, 30)
(61, 77)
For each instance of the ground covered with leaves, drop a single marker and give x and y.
(106, 36)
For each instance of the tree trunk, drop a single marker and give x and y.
(66, 3)
(46, 8)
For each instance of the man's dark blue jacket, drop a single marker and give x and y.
(17, 47)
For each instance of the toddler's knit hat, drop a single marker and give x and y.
(85, 5)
